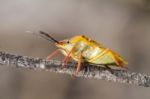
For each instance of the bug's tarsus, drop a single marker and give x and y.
(48, 37)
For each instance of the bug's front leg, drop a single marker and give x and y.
(68, 55)
(52, 54)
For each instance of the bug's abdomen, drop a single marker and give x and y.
(91, 52)
(105, 60)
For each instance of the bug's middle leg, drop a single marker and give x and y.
(78, 65)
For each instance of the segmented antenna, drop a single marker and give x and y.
(48, 37)
(44, 35)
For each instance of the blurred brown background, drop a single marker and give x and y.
(122, 25)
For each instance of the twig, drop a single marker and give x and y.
(88, 71)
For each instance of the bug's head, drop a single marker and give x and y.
(65, 44)
(60, 44)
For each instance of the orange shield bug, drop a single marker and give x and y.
(83, 49)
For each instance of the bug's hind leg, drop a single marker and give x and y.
(114, 58)
(52, 54)
(117, 61)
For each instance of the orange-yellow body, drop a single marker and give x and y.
(83, 49)
(91, 51)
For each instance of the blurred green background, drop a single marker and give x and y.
(122, 25)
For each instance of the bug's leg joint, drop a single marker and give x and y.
(66, 59)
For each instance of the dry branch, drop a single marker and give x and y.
(88, 71)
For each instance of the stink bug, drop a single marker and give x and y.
(83, 49)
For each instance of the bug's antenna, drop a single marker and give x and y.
(45, 36)
(48, 37)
